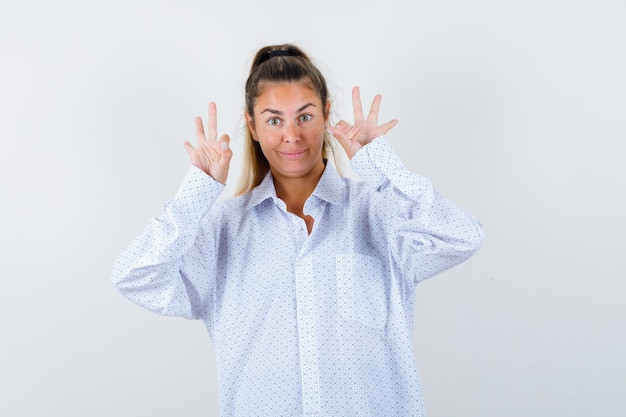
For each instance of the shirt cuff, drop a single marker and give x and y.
(378, 164)
(198, 192)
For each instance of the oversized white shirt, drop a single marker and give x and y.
(315, 324)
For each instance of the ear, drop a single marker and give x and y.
(250, 124)
(326, 112)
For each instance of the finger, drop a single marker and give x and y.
(188, 147)
(343, 126)
(356, 105)
(200, 136)
(194, 157)
(218, 149)
(373, 114)
(338, 133)
(387, 126)
(345, 142)
(212, 122)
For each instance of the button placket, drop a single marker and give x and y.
(308, 340)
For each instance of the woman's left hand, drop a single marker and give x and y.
(354, 137)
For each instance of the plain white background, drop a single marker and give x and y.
(514, 109)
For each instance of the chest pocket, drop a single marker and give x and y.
(361, 289)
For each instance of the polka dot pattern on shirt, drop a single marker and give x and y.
(304, 324)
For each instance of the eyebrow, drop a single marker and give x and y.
(273, 111)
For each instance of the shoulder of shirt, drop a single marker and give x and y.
(225, 211)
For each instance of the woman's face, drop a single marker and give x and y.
(289, 124)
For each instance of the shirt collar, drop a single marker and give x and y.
(330, 188)
(262, 192)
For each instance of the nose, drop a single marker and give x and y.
(290, 133)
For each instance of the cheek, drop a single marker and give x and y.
(267, 142)
(317, 134)
(267, 138)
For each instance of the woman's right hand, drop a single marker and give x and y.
(210, 155)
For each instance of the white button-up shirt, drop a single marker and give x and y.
(315, 324)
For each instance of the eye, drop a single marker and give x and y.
(274, 121)
(305, 117)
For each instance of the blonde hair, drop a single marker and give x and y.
(278, 64)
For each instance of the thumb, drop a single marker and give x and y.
(224, 143)
(224, 150)
(337, 133)
(346, 143)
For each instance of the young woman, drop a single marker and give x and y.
(305, 280)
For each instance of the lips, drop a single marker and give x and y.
(294, 154)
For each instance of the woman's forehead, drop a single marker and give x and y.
(286, 94)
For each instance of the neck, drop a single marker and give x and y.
(295, 191)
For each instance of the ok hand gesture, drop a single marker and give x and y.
(354, 137)
(210, 155)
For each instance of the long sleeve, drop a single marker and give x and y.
(426, 233)
(163, 269)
